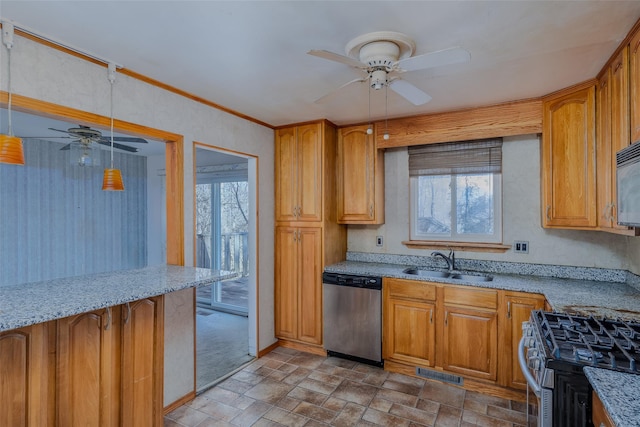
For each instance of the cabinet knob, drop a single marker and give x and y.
(508, 309)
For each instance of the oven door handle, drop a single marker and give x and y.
(525, 369)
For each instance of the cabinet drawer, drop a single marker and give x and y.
(410, 289)
(486, 298)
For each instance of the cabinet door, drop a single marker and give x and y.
(309, 247)
(600, 415)
(286, 282)
(286, 179)
(23, 373)
(619, 121)
(518, 309)
(88, 369)
(409, 331)
(470, 342)
(568, 161)
(360, 178)
(142, 363)
(605, 164)
(634, 86)
(309, 172)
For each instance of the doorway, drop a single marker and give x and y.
(224, 236)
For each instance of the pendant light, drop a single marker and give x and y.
(11, 150)
(112, 179)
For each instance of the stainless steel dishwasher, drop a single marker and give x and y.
(353, 317)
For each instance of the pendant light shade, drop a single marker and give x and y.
(11, 151)
(112, 180)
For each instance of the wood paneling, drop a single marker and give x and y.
(514, 118)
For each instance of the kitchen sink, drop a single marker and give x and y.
(426, 273)
(472, 277)
(446, 275)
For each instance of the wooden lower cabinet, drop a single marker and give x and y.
(142, 363)
(102, 368)
(87, 369)
(470, 342)
(599, 414)
(298, 288)
(409, 325)
(465, 330)
(517, 309)
(23, 377)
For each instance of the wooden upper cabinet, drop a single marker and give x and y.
(568, 159)
(298, 173)
(613, 102)
(360, 177)
(634, 86)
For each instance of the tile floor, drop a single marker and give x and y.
(290, 388)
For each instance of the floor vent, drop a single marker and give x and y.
(439, 376)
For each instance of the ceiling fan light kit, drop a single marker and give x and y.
(11, 148)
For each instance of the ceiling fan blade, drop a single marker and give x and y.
(454, 55)
(338, 58)
(409, 92)
(58, 130)
(118, 146)
(66, 147)
(124, 139)
(335, 91)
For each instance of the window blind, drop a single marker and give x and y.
(450, 158)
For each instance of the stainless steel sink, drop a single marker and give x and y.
(472, 277)
(446, 275)
(426, 273)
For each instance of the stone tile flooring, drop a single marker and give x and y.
(290, 388)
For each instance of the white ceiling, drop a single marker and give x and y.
(251, 56)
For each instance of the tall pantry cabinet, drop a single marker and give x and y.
(307, 235)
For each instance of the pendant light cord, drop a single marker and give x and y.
(111, 114)
(9, 90)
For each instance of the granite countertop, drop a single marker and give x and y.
(618, 392)
(31, 303)
(612, 300)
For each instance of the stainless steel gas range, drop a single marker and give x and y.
(554, 349)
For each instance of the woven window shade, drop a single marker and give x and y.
(479, 156)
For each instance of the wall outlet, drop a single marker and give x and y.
(379, 241)
(521, 246)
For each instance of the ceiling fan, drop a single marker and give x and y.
(384, 55)
(85, 136)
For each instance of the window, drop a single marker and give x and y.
(456, 191)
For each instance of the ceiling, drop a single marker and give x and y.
(251, 56)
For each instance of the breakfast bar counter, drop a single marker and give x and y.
(37, 302)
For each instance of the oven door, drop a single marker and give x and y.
(543, 396)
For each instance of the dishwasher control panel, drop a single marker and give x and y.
(370, 282)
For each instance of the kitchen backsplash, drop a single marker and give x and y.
(501, 267)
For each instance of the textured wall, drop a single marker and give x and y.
(521, 217)
(55, 220)
(50, 75)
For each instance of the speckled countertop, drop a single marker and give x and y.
(619, 394)
(31, 303)
(582, 297)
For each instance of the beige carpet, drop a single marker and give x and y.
(222, 345)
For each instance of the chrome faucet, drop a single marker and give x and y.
(450, 260)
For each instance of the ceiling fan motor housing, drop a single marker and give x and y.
(380, 54)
